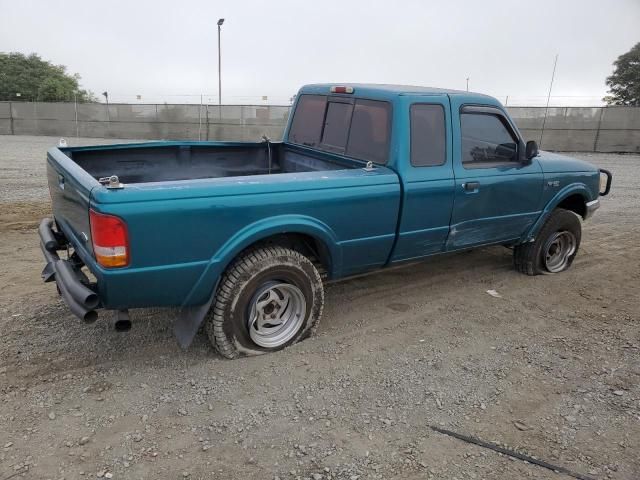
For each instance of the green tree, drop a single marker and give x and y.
(624, 84)
(37, 79)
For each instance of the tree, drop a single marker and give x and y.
(624, 84)
(36, 79)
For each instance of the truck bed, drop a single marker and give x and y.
(158, 162)
(182, 202)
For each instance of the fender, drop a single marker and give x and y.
(201, 296)
(571, 189)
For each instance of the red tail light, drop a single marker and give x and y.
(110, 239)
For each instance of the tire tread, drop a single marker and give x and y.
(526, 256)
(240, 271)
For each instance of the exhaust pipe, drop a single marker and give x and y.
(81, 294)
(123, 323)
(80, 311)
(46, 234)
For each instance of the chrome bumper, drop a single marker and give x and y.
(592, 206)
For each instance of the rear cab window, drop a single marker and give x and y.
(355, 127)
(308, 119)
(336, 126)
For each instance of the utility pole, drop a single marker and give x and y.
(468, 83)
(75, 108)
(220, 22)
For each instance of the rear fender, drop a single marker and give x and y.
(572, 189)
(261, 230)
(201, 297)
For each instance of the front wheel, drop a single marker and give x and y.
(268, 299)
(554, 248)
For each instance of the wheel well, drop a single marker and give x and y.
(307, 245)
(575, 203)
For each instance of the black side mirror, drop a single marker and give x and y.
(531, 150)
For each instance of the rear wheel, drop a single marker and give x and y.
(268, 299)
(554, 248)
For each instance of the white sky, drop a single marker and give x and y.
(167, 50)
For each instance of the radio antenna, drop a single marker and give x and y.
(546, 110)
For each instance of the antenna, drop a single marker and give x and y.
(546, 110)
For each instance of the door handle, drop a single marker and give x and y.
(471, 186)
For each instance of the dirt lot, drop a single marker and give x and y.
(552, 368)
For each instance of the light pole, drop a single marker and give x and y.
(220, 22)
(468, 83)
(106, 98)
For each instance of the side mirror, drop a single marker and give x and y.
(531, 150)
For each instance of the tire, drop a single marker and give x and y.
(268, 298)
(554, 248)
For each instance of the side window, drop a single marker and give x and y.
(306, 126)
(336, 125)
(486, 141)
(369, 133)
(428, 142)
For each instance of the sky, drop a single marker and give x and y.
(167, 50)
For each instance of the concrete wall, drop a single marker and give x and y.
(581, 129)
(609, 129)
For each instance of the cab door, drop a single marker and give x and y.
(425, 168)
(497, 191)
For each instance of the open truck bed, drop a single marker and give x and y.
(168, 161)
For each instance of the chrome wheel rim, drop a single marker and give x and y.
(558, 251)
(276, 314)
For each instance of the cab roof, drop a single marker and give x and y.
(385, 90)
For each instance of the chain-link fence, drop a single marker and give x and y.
(586, 129)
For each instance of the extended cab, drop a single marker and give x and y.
(242, 235)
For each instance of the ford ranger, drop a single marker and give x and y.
(241, 236)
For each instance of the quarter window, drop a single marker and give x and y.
(427, 135)
(486, 141)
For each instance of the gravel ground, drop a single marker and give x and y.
(551, 368)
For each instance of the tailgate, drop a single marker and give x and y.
(70, 188)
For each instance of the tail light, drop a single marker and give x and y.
(341, 89)
(110, 239)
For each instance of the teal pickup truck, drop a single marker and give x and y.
(241, 236)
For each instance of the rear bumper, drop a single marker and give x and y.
(73, 285)
(173, 285)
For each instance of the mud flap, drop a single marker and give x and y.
(189, 321)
